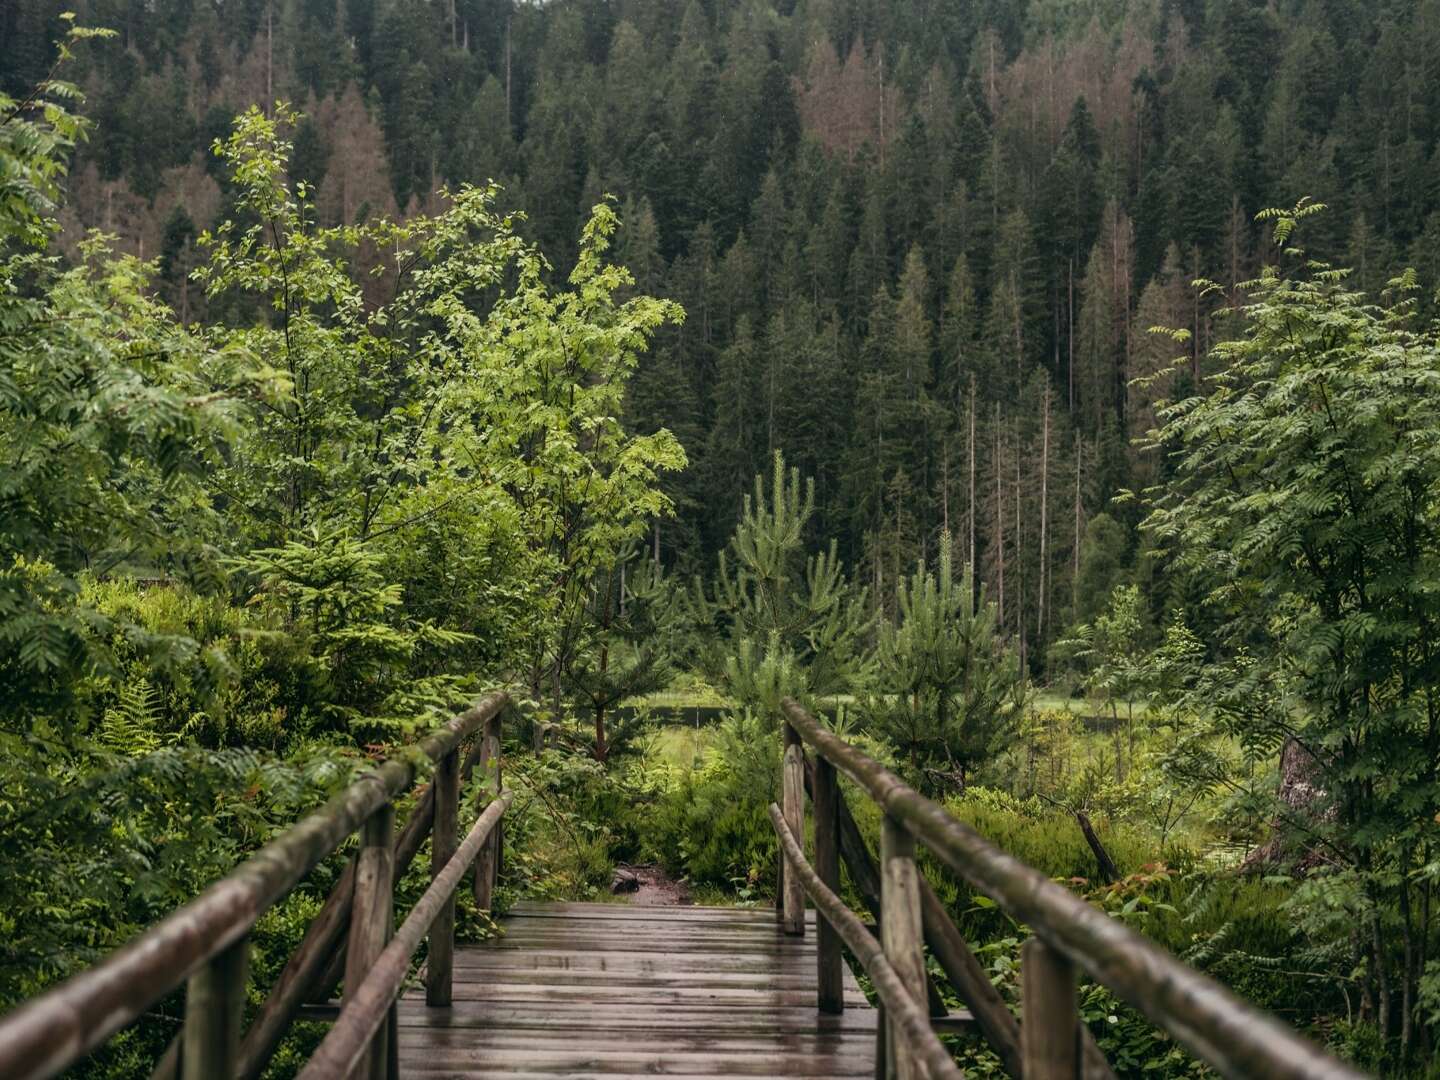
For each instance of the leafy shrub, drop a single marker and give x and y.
(710, 824)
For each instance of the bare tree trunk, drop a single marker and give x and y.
(945, 490)
(880, 65)
(1075, 570)
(999, 519)
(974, 576)
(1408, 968)
(269, 58)
(1071, 310)
(1019, 555)
(1382, 977)
(1108, 870)
(1041, 606)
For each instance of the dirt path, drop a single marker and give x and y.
(649, 886)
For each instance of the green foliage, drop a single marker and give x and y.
(709, 823)
(1304, 503)
(381, 462)
(950, 691)
(793, 624)
(233, 554)
(633, 623)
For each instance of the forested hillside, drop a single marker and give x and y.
(921, 244)
(1045, 394)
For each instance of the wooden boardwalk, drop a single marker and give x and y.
(610, 990)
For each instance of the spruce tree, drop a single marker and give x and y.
(949, 688)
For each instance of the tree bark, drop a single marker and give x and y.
(1108, 870)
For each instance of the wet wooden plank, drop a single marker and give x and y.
(604, 990)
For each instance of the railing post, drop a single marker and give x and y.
(372, 921)
(902, 935)
(793, 805)
(214, 1004)
(1050, 1020)
(440, 960)
(825, 796)
(882, 1054)
(487, 863)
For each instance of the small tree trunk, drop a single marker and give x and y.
(1041, 606)
(1106, 865)
(971, 513)
(999, 519)
(1075, 570)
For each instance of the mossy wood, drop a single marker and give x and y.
(1231, 1036)
(205, 938)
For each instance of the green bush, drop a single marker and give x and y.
(236, 680)
(709, 823)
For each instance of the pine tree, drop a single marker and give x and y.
(958, 335)
(951, 689)
(1012, 337)
(736, 445)
(1164, 305)
(796, 625)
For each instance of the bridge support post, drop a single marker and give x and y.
(440, 960)
(487, 863)
(825, 797)
(793, 805)
(902, 936)
(372, 921)
(214, 1004)
(1050, 1020)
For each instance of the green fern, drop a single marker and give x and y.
(130, 726)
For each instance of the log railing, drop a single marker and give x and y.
(1070, 937)
(205, 944)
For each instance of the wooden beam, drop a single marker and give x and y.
(901, 934)
(440, 959)
(969, 980)
(963, 971)
(865, 877)
(358, 1039)
(1205, 1017)
(487, 864)
(829, 973)
(1050, 1028)
(907, 1012)
(793, 792)
(371, 926)
(412, 836)
(52, 1031)
(214, 1005)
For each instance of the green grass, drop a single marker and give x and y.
(705, 697)
(680, 745)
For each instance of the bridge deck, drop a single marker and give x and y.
(609, 990)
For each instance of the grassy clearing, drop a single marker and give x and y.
(680, 745)
(704, 697)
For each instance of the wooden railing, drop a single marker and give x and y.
(1070, 936)
(205, 944)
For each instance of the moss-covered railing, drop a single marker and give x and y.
(205, 944)
(1049, 1042)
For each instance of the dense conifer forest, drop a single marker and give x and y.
(921, 245)
(948, 366)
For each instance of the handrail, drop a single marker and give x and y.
(889, 987)
(364, 1008)
(54, 1030)
(1217, 1026)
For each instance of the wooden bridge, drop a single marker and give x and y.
(605, 989)
(589, 990)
